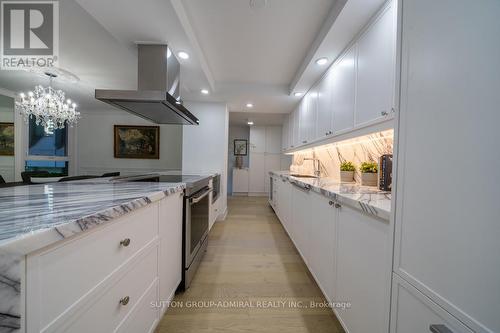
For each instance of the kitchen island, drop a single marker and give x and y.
(75, 243)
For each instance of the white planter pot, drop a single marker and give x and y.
(347, 176)
(369, 179)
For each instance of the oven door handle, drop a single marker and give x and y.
(199, 198)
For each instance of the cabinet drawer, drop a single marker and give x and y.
(106, 313)
(412, 311)
(59, 277)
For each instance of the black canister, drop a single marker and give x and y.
(385, 172)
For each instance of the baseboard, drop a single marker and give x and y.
(239, 194)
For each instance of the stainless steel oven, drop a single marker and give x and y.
(196, 221)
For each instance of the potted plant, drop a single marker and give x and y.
(369, 175)
(347, 171)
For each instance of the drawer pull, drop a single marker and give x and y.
(439, 329)
(125, 242)
(124, 301)
(337, 205)
(331, 203)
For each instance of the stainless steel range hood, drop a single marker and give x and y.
(158, 95)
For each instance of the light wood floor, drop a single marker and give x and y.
(252, 260)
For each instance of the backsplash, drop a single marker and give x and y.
(361, 149)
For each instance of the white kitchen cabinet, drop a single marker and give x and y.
(273, 139)
(285, 134)
(301, 215)
(364, 262)
(303, 120)
(240, 180)
(311, 114)
(376, 69)
(257, 173)
(446, 242)
(170, 232)
(322, 227)
(296, 125)
(325, 106)
(272, 162)
(343, 87)
(291, 126)
(76, 285)
(412, 311)
(258, 139)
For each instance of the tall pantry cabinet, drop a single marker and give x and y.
(265, 156)
(446, 267)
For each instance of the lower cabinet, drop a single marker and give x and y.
(414, 312)
(322, 249)
(348, 252)
(364, 265)
(110, 278)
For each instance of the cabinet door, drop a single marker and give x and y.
(322, 243)
(272, 162)
(240, 180)
(291, 125)
(448, 246)
(303, 120)
(343, 86)
(257, 176)
(300, 226)
(376, 69)
(258, 139)
(284, 134)
(414, 312)
(364, 255)
(296, 126)
(170, 261)
(273, 140)
(312, 114)
(325, 111)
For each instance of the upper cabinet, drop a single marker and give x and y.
(376, 69)
(258, 139)
(285, 134)
(325, 107)
(356, 91)
(273, 139)
(343, 85)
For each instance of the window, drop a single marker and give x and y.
(47, 149)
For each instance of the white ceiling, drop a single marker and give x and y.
(240, 54)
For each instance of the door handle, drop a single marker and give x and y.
(305, 187)
(198, 198)
(440, 329)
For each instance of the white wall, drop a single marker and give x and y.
(95, 140)
(236, 132)
(204, 147)
(7, 168)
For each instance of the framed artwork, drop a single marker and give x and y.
(6, 139)
(240, 147)
(141, 142)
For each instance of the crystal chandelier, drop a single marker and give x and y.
(49, 107)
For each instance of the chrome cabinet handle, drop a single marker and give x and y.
(439, 329)
(125, 242)
(302, 187)
(124, 301)
(305, 141)
(331, 203)
(337, 205)
(384, 113)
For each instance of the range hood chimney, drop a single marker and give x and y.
(158, 96)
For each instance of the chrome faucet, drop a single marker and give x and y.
(316, 164)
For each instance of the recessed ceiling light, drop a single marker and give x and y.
(249, 105)
(250, 123)
(183, 55)
(322, 61)
(204, 91)
(297, 94)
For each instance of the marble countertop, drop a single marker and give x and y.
(368, 199)
(35, 216)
